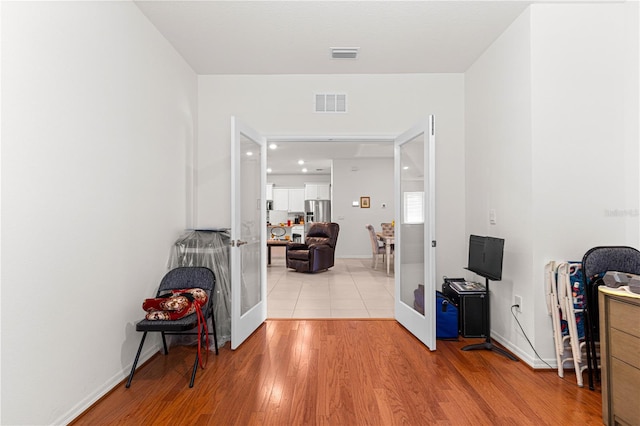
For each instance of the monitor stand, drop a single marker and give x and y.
(488, 344)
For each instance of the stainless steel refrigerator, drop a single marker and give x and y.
(316, 211)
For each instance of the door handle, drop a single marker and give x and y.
(237, 243)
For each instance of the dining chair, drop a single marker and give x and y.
(387, 228)
(377, 247)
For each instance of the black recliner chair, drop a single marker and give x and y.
(318, 251)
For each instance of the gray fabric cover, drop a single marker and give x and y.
(208, 248)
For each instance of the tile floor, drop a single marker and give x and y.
(351, 289)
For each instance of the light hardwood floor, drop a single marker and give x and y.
(344, 372)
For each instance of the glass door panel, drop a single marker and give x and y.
(248, 232)
(415, 231)
(412, 264)
(250, 229)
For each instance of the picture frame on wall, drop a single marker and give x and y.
(365, 202)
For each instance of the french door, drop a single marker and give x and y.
(248, 231)
(415, 243)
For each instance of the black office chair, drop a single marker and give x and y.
(595, 263)
(177, 279)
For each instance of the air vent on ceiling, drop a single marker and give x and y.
(331, 102)
(344, 52)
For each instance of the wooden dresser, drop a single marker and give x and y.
(620, 357)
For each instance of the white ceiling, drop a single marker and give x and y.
(318, 155)
(295, 37)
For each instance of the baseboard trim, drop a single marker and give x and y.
(118, 379)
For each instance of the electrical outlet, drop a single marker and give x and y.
(517, 300)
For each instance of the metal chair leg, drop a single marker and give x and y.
(164, 343)
(195, 368)
(202, 337)
(135, 361)
(215, 334)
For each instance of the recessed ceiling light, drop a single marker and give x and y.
(405, 168)
(269, 170)
(249, 153)
(301, 162)
(273, 146)
(304, 170)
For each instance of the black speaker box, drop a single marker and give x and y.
(472, 310)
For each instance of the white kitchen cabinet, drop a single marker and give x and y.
(289, 199)
(317, 191)
(296, 200)
(324, 191)
(280, 199)
(269, 192)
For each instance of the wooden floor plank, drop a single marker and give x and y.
(345, 372)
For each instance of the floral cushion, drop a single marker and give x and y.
(174, 304)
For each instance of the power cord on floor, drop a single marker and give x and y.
(534, 349)
(526, 337)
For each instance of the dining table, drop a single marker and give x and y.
(389, 241)
(271, 243)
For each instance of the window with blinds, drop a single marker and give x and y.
(413, 203)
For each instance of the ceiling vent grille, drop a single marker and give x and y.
(344, 52)
(331, 102)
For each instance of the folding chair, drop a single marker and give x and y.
(177, 279)
(560, 335)
(572, 302)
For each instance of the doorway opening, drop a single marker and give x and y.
(352, 288)
(413, 172)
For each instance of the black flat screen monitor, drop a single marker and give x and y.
(485, 256)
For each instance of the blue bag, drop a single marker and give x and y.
(446, 313)
(446, 317)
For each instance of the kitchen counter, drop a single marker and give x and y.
(297, 228)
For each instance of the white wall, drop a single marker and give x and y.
(98, 114)
(353, 179)
(378, 105)
(499, 164)
(546, 106)
(585, 108)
